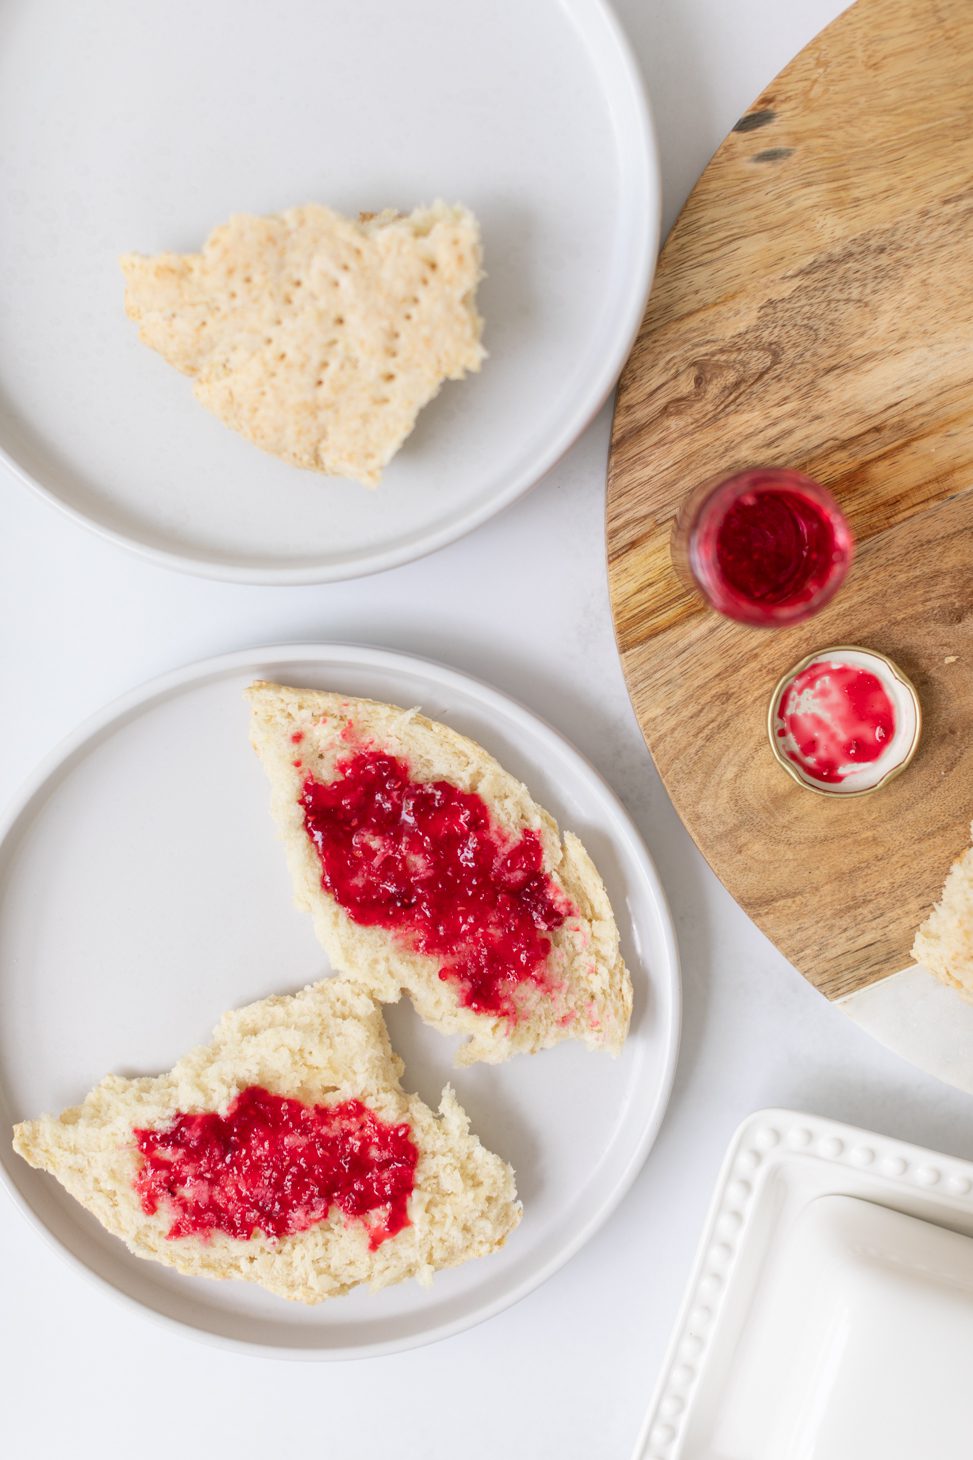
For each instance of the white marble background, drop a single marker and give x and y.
(568, 1372)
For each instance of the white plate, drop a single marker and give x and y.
(829, 1309)
(140, 127)
(143, 891)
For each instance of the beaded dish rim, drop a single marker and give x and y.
(764, 1144)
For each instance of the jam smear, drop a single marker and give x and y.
(422, 859)
(277, 1166)
(837, 717)
(776, 547)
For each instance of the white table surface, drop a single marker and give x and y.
(523, 603)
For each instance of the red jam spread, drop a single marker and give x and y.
(422, 859)
(775, 547)
(835, 718)
(277, 1166)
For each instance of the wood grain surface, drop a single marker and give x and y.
(814, 308)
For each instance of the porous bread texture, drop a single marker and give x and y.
(944, 943)
(324, 1045)
(589, 994)
(320, 338)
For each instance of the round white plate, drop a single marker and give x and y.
(143, 891)
(140, 127)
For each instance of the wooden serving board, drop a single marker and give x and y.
(814, 308)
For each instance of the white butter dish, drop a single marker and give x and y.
(830, 1309)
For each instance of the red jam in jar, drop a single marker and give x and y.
(277, 1166)
(423, 859)
(765, 547)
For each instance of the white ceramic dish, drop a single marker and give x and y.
(143, 891)
(829, 1309)
(140, 127)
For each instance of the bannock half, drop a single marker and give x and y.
(324, 1046)
(944, 943)
(401, 923)
(318, 337)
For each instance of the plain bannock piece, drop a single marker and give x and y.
(944, 943)
(429, 869)
(318, 337)
(325, 1047)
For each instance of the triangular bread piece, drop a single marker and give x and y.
(944, 943)
(318, 337)
(513, 959)
(323, 1047)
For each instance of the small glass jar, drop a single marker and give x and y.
(766, 546)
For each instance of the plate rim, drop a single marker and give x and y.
(589, 15)
(218, 666)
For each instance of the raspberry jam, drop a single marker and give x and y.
(838, 717)
(277, 1166)
(765, 547)
(422, 859)
(772, 547)
(845, 721)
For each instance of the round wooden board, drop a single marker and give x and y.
(814, 308)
